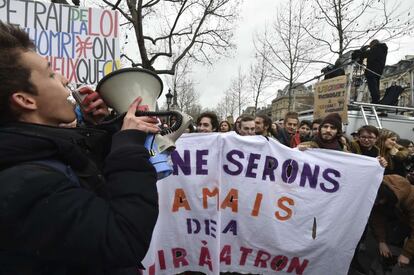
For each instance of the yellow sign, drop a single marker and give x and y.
(331, 97)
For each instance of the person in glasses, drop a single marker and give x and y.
(365, 144)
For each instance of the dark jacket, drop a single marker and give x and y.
(404, 193)
(396, 163)
(284, 137)
(356, 148)
(297, 139)
(48, 225)
(376, 57)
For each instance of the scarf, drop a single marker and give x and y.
(333, 144)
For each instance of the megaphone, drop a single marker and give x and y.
(120, 88)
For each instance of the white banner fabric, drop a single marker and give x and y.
(252, 205)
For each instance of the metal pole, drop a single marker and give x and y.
(168, 118)
(412, 87)
(364, 115)
(387, 107)
(376, 117)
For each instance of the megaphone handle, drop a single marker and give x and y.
(149, 144)
(168, 130)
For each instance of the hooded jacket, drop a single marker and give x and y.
(404, 192)
(48, 225)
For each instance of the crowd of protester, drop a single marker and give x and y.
(71, 199)
(393, 210)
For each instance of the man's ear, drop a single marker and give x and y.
(24, 101)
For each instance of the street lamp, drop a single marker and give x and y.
(169, 97)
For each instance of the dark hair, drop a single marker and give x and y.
(266, 121)
(225, 122)
(293, 115)
(305, 122)
(386, 194)
(192, 128)
(370, 129)
(384, 151)
(213, 118)
(14, 76)
(235, 124)
(246, 118)
(316, 121)
(374, 42)
(405, 142)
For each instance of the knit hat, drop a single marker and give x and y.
(335, 120)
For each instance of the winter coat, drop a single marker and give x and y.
(376, 57)
(404, 192)
(297, 139)
(396, 163)
(337, 146)
(49, 225)
(284, 137)
(356, 148)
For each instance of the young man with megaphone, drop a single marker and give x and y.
(73, 200)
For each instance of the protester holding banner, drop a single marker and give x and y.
(365, 144)
(286, 134)
(329, 135)
(392, 152)
(247, 126)
(263, 125)
(74, 201)
(207, 122)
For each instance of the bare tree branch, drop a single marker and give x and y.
(351, 24)
(115, 7)
(287, 47)
(200, 29)
(133, 64)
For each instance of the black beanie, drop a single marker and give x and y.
(335, 120)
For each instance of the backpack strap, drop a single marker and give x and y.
(59, 166)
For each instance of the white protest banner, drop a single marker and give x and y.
(249, 205)
(82, 44)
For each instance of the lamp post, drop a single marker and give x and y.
(169, 97)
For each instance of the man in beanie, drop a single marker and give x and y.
(329, 135)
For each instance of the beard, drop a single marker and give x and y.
(327, 137)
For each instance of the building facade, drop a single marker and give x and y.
(301, 99)
(401, 74)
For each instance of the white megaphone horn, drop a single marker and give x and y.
(120, 88)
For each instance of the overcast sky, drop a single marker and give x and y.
(211, 82)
